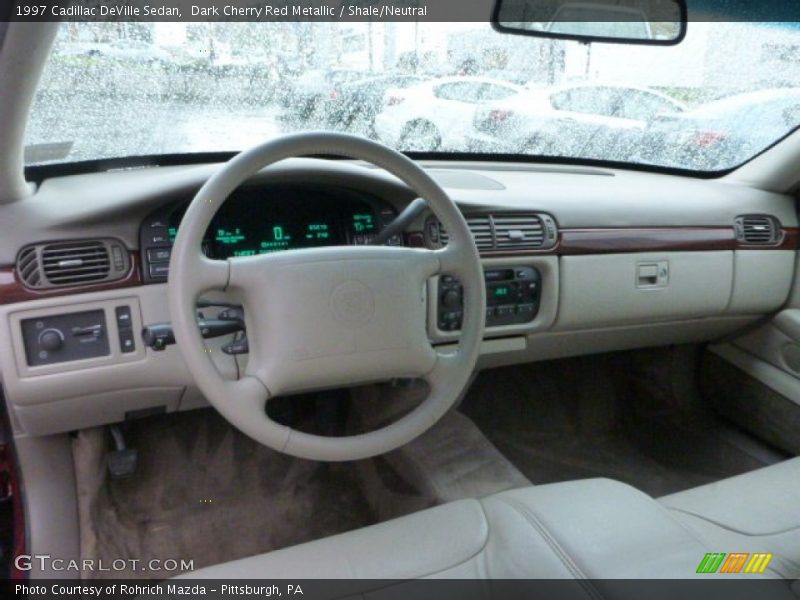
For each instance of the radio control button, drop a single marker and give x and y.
(506, 310)
(525, 309)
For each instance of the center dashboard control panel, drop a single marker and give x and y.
(259, 220)
(512, 297)
(62, 338)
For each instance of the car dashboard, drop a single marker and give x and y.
(577, 260)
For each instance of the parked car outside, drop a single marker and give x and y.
(313, 90)
(354, 105)
(586, 120)
(724, 132)
(437, 114)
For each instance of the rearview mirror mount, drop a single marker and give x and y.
(651, 22)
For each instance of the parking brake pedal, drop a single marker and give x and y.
(122, 461)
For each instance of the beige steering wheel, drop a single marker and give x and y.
(327, 317)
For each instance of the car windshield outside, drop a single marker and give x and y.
(710, 103)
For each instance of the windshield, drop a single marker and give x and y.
(114, 90)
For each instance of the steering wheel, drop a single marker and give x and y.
(327, 317)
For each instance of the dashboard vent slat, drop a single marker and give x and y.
(519, 232)
(28, 267)
(506, 232)
(72, 263)
(481, 229)
(757, 229)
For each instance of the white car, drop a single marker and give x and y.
(586, 120)
(437, 114)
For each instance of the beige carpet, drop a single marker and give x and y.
(206, 492)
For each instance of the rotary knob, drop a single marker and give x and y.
(51, 340)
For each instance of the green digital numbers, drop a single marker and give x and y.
(363, 222)
(229, 237)
(317, 231)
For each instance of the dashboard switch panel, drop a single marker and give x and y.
(127, 343)
(512, 297)
(74, 336)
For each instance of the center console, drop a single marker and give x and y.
(512, 297)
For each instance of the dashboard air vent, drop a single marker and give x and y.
(28, 268)
(72, 263)
(756, 229)
(518, 232)
(502, 232)
(75, 263)
(481, 229)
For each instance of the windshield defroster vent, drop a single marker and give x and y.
(757, 229)
(502, 232)
(72, 263)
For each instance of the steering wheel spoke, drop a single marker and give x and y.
(209, 274)
(445, 367)
(451, 260)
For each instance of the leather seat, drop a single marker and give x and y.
(591, 529)
(755, 512)
(594, 529)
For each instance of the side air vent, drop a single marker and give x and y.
(502, 232)
(72, 263)
(75, 263)
(757, 229)
(28, 268)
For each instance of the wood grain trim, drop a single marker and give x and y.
(790, 240)
(652, 239)
(619, 240)
(12, 290)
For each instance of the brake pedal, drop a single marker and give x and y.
(122, 461)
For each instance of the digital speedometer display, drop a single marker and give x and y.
(272, 237)
(259, 221)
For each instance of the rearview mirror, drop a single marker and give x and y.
(656, 22)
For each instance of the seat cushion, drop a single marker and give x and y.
(590, 529)
(758, 511)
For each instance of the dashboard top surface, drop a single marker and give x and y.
(115, 203)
